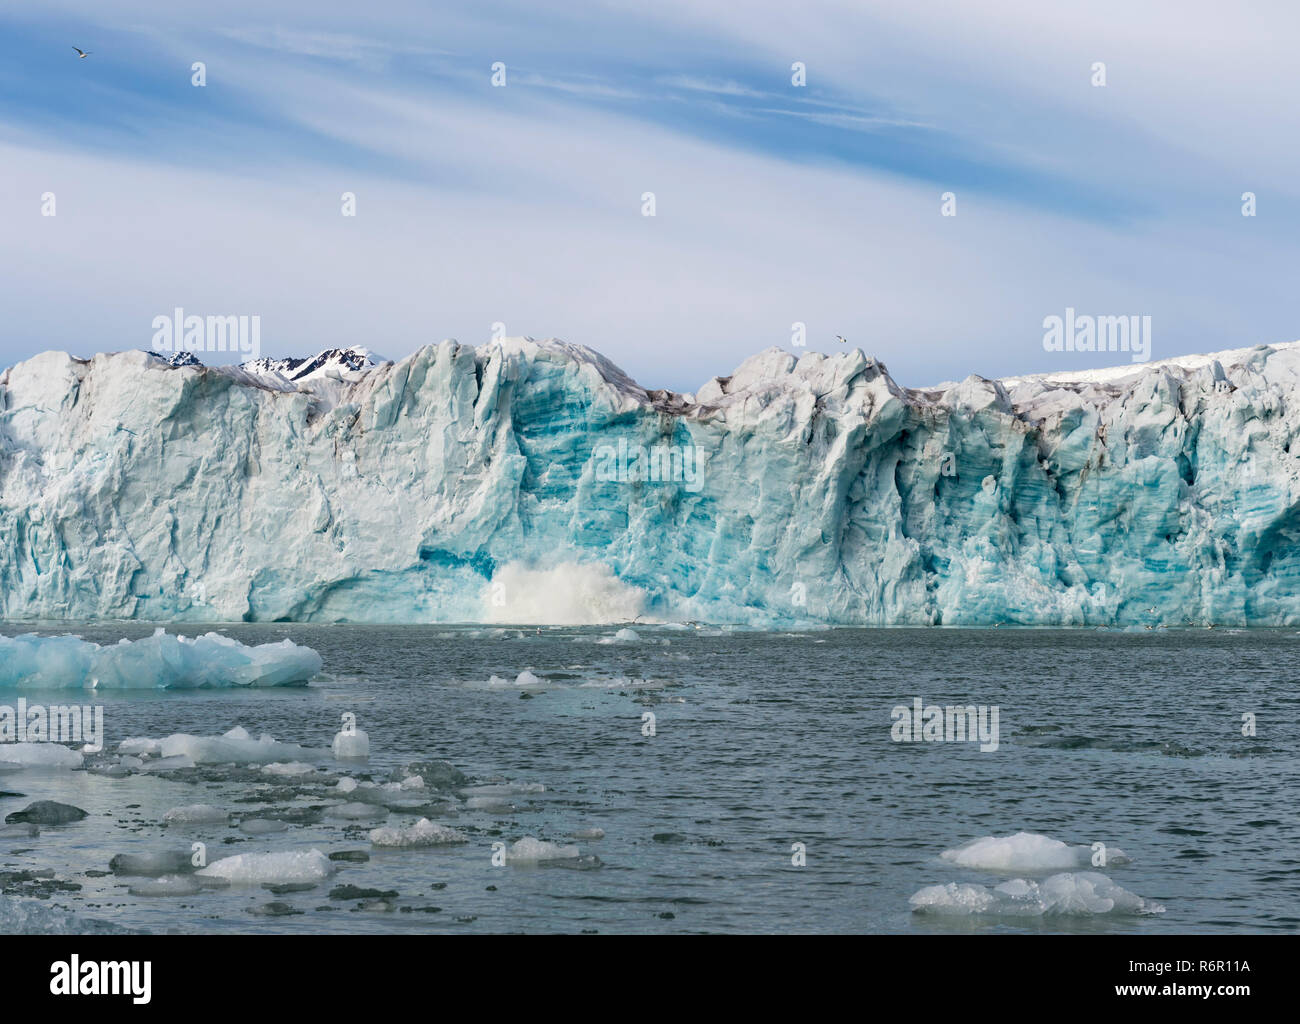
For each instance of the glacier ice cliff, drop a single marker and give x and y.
(535, 482)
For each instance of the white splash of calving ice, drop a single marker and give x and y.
(570, 594)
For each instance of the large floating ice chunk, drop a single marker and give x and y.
(40, 755)
(1028, 852)
(161, 661)
(1083, 893)
(259, 868)
(237, 747)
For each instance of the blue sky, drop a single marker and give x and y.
(774, 203)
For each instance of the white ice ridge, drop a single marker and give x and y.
(1028, 852)
(234, 747)
(1084, 893)
(161, 661)
(494, 484)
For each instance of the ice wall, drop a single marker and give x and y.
(504, 484)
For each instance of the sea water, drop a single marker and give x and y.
(696, 779)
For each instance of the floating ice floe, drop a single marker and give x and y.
(259, 868)
(139, 746)
(1028, 852)
(493, 804)
(423, 833)
(234, 747)
(167, 885)
(35, 917)
(1085, 893)
(161, 661)
(40, 755)
(290, 768)
(532, 849)
(170, 763)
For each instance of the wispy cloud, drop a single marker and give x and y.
(328, 45)
(775, 203)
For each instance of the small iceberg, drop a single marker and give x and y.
(162, 661)
(234, 747)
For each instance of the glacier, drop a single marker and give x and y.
(535, 482)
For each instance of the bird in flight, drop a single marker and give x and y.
(83, 53)
(841, 339)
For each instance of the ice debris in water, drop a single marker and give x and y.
(139, 745)
(40, 755)
(351, 745)
(1083, 893)
(161, 661)
(1027, 852)
(167, 885)
(423, 833)
(290, 768)
(525, 678)
(234, 747)
(530, 848)
(34, 917)
(257, 868)
(167, 764)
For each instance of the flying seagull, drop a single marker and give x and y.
(83, 53)
(840, 338)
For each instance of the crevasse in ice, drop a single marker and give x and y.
(508, 483)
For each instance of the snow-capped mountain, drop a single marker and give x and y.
(178, 358)
(333, 364)
(524, 481)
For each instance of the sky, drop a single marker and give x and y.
(775, 203)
